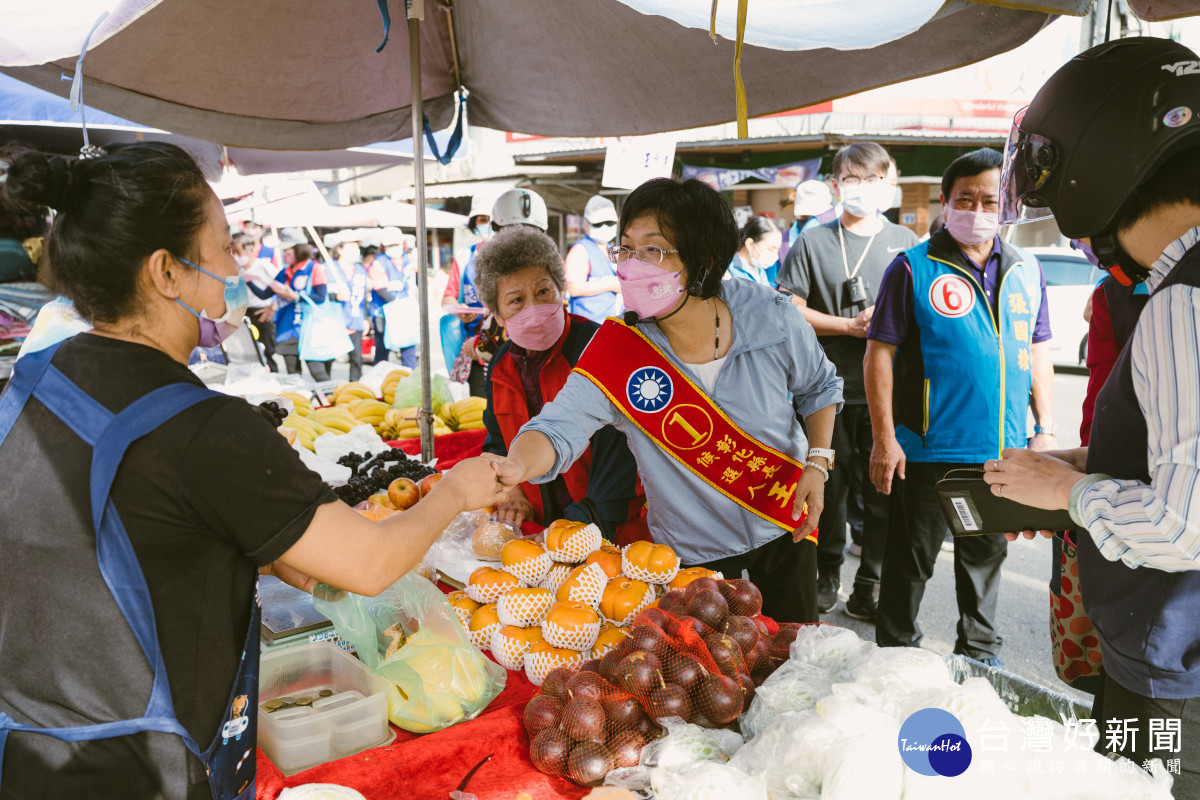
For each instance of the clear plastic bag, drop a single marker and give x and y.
(408, 392)
(410, 636)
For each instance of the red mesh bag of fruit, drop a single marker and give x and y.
(698, 656)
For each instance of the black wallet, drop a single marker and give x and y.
(971, 509)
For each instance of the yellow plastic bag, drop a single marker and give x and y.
(435, 675)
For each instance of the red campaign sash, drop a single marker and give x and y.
(681, 419)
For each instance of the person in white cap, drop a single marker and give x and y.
(391, 278)
(813, 199)
(591, 277)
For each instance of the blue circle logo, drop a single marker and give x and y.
(932, 742)
(649, 389)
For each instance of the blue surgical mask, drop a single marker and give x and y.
(237, 298)
(484, 230)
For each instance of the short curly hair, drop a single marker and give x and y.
(511, 250)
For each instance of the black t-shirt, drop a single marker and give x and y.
(206, 498)
(815, 271)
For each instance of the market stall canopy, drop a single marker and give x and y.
(299, 203)
(45, 120)
(248, 74)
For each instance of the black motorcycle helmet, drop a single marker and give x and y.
(1098, 128)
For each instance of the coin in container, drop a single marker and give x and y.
(326, 692)
(304, 701)
(273, 705)
(288, 701)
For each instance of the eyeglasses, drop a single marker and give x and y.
(647, 252)
(854, 180)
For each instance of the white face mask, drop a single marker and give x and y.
(603, 233)
(865, 200)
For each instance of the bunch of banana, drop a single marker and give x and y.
(405, 423)
(389, 383)
(345, 393)
(301, 402)
(468, 413)
(397, 422)
(306, 430)
(334, 419)
(370, 412)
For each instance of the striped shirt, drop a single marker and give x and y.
(1158, 525)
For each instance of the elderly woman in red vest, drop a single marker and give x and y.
(521, 280)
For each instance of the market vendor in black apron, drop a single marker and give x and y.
(139, 507)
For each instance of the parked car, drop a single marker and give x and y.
(1070, 281)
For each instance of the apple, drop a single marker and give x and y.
(403, 493)
(542, 712)
(583, 719)
(670, 700)
(588, 763)
(427, 483)
(549, 751)
(743, 596)
(381, 498)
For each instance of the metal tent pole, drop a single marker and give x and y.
(416, 12)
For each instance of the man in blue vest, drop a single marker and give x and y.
(591, 276)
(1111, 146)
(958, 348)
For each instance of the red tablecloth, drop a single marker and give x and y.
(432, 765)
(449, 448)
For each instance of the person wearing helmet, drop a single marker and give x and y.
(520, 207)
(1110, 146)
(591, 280)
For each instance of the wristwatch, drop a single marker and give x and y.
(1052, 430)
(821, 452)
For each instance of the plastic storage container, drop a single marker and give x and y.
(352, 718)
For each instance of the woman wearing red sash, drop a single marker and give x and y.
(706, 380)
(521, 279)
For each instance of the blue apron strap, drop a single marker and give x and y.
(105, 730)
(78, 410)
(26, 374)
(118, 563)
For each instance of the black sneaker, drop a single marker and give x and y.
(861, 607)
(827, 592)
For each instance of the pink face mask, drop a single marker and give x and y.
(648, 290)
(537, 327)
(971, 227)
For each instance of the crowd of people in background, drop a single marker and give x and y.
(869, 289)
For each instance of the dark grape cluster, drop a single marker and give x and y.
(273, 412)
(375, 474)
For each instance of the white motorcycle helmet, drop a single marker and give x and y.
(520, 207)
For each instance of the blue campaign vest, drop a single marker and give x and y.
(287, 317)
(739, 269)
(396, 284)
(974, 393)
(230, 773)
(597, 307)
(356, 307)
(1147, 620)
(468, 294)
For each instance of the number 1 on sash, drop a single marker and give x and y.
(676, 418)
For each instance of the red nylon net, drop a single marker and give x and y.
(699, 655)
